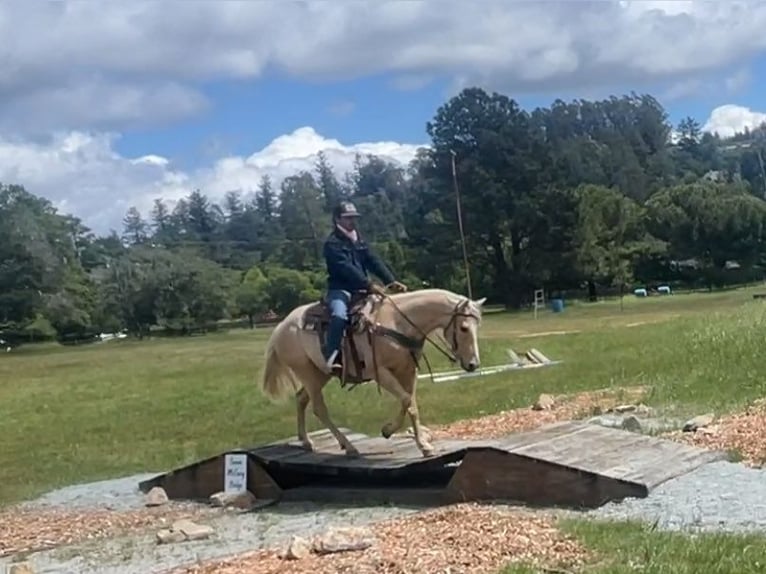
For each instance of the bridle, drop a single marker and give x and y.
(418, 344)
(415, 345)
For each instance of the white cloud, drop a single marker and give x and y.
(83, 175)
(98, 104)
(730, 119)
(146, 49)
(86, 70)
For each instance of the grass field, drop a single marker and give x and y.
(78, 414)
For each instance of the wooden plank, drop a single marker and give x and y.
(618, 454)
(581, 440)
(296, 454)
(381, 452)
(320, 436)
(317, 434)
(666, 461)
(542, 434)
(631, 456)
(376, 453)
(492, 474)
(591, 451)
(645, 462)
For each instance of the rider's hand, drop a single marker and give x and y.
(398, 287)
(376, 289)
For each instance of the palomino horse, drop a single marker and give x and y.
(392, 338)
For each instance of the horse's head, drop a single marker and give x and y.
(462, 332)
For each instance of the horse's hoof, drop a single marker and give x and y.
(309, 446)
(386, 432)
(352, 453)
(427, 450)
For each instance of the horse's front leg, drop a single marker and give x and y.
(409, 406)
(391, 427)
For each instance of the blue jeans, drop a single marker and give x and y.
(338, 302)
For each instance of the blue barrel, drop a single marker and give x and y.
(557, 305)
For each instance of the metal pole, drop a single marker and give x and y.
(460, 223)
(763, 171)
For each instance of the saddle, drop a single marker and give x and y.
(359, 369)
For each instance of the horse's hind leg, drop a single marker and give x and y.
(313, 383)
(301, 402)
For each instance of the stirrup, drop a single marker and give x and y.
(332, 365)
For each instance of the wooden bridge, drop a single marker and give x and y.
(575, 464)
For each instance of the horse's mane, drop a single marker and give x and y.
(451, 297)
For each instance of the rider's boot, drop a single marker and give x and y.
(334, 339)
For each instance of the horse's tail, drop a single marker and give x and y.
(278, 379)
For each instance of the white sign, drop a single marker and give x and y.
(235, 473)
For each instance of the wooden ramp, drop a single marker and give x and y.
(573, 464)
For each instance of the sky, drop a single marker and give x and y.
(108, 104)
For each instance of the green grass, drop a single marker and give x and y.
(630, 548)
(78, 414)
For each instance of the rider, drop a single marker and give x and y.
(348, 259)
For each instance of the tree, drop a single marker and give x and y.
(577, 192)
(252, 295)
(610, 237)
(134, 227)
(708, 224)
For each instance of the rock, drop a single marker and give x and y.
(344, 540)
(20, 568)
(643, 410)
(183, 530)
(192, 530)
(544, 402)
(242, 500)
(156, 497)
(623, 409)
(698, 422)
(170, 536)
(606, 420)
(632, 424)
(298, 548)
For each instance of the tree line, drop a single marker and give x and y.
(579, 197)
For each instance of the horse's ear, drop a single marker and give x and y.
(481, 301)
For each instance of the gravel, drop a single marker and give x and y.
(139, 553)
(117, 494)
(234, 533)
(719, 496)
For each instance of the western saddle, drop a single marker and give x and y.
(317, 319)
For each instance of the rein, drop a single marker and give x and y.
(416, 346)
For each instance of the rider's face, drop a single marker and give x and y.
(347, 223)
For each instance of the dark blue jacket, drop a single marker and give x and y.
(348, 263)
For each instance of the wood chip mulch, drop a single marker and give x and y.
(465, 538)
(743, 433)
(565, 407)
(29, 530)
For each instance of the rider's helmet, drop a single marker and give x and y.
(345, 209)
